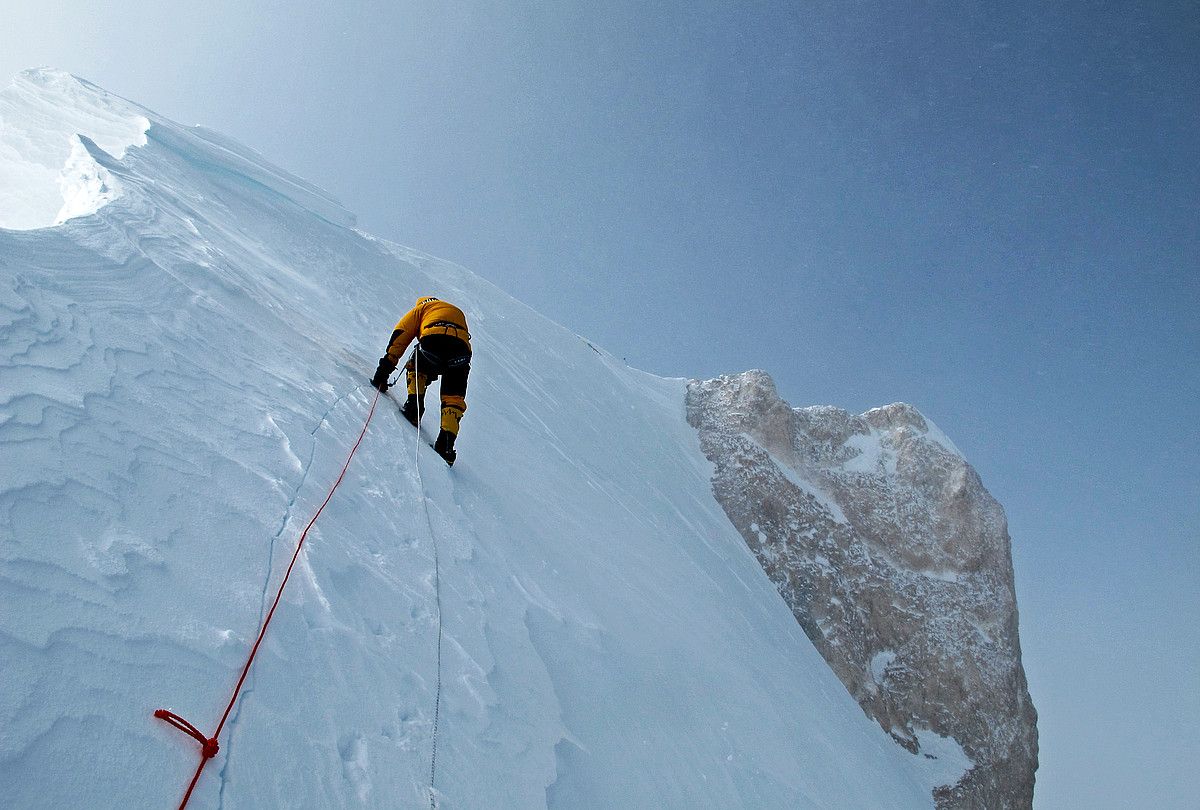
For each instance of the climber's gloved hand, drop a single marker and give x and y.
(380, 380)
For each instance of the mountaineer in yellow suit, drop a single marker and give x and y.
(443, 349)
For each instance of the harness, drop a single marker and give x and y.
(449, 329)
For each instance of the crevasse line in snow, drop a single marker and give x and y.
(227, 749)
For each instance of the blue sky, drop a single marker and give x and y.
(990, 211)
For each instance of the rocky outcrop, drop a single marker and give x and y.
(896, 562)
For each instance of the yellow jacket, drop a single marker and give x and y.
(430, 316)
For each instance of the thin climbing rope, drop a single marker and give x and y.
(209, 745)
(437, 586)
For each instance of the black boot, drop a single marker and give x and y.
(445, 446)
(413, 407)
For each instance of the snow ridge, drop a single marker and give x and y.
(48, 121)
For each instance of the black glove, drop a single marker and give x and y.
(380, 380)
(445, 446)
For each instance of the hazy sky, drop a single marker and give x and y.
(989, 210)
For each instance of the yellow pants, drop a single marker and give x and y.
(453, 406)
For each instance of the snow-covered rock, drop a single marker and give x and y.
(183, 369)
(896, 561)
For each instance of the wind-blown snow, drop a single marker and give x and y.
(875, 457)
(182, 371)
(807, 487)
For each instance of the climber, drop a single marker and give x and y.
(443, 349)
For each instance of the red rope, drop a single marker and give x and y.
(208, 745)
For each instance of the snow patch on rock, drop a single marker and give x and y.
(941, 758)
(880, 661)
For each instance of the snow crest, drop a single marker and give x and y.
(47, 174)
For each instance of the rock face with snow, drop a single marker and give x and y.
(895, 560)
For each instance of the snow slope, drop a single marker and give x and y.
(182, 372)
